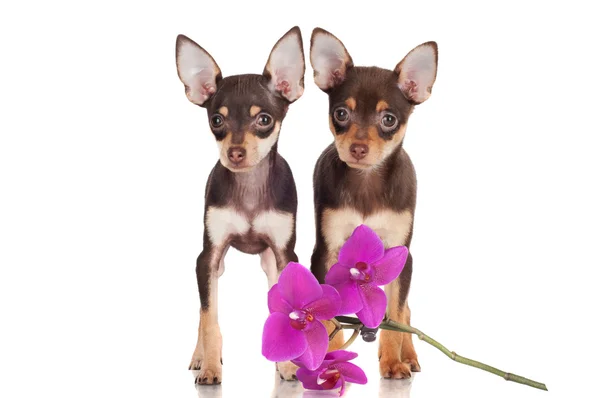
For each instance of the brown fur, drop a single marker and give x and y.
(377, 189)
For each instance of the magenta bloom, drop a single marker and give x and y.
(363, 265)
(297, 303)
(334, 372)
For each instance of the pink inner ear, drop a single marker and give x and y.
(283, 86)
(202, 86)
(331, 69)
(410, 88)
(336, 77)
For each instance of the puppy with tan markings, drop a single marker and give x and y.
(250, 199)
(365, 176)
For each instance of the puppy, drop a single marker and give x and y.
(365, 176)
(250, 199)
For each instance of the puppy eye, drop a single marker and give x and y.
(389, 121)
(264, 120)
(341, 115)
(216, 121)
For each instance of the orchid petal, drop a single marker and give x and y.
(277, 303)
(327, 306)
(351, 300)
(280, 341)
(308, 378)
(390, 265)
(340, 356)
(363, 245)
(318, 341)
(374, 304)
(338, 273)
(352, 373)
(298, 286)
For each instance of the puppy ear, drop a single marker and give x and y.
(417, 72)
(197, 70)
(329, 59)
(285, 67)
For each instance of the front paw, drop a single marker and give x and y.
(287, 370)
(393, 368)
(210, 373)
(413, 363)
(196, 363)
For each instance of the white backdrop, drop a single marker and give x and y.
(103, 163)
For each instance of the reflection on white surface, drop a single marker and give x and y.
(293, 389)
(386, 388)
(395, 388)
(215, 391)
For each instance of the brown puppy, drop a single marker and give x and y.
(365, 176)
(250, 200)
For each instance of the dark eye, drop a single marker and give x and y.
(264, 120)
(341, 115)
(389, 121)
(216, 121)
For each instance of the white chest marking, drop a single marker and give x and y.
(277, 225)
(392, 227)
(224, 222)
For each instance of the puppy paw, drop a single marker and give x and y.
(413, 363)
(394, 369)
(287, 370)
(196, 363)
(210, 374)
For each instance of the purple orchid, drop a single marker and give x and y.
(334, 372)
(363, 265)
(297, 303)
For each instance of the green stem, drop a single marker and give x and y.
(388, 324)
(351, 339)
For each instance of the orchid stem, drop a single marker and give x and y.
(338, 327)
(351, 339)
(388, 324)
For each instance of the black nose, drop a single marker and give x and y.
(236, 154)
(359, 151)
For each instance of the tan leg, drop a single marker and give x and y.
(212, 342)
(207, 355)
(409, 355)
(390, 342)
(268, 262)
(198, 355)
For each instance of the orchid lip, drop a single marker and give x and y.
(328, 378)
(299, 319)
(361, 272)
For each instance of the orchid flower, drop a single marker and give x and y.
(297, 303)
(363, 265)
(334, 372)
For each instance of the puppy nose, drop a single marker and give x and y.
(236, 154)
(359, 151)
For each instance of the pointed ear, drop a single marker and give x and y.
(417, 72)
(329, 59)
(197, 70)
(285, 67)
